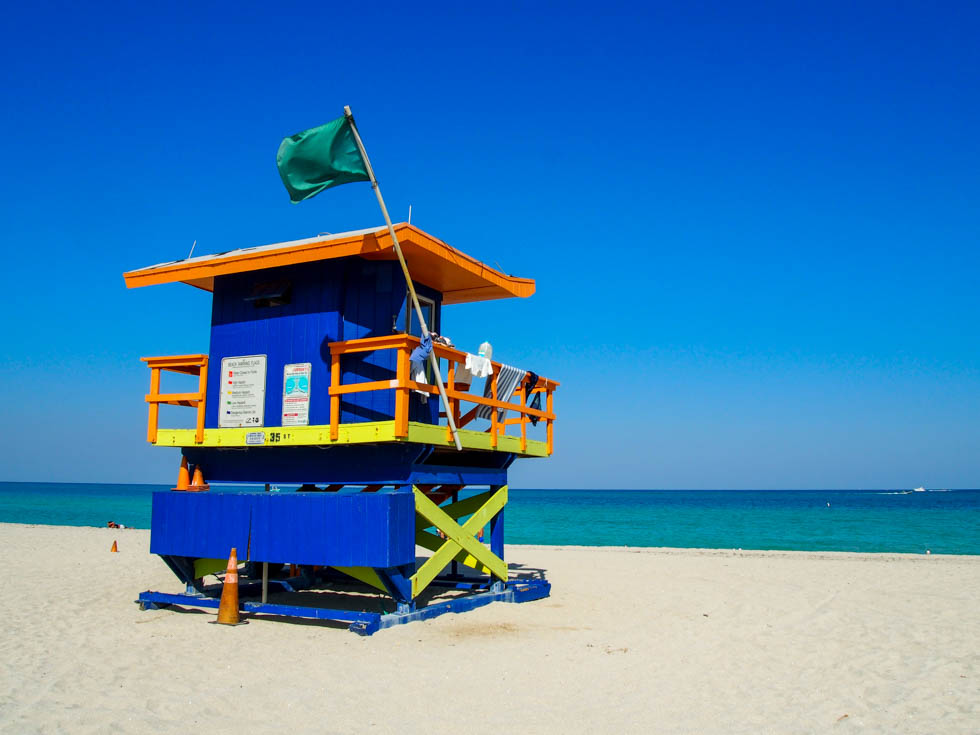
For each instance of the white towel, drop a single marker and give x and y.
(463, 376)
(507, 381)
(420, 377)
(479, 367)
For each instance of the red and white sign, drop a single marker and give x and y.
(242, 399)
(296, 394)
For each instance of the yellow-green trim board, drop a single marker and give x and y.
(363, 433)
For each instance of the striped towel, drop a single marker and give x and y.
(507, 381)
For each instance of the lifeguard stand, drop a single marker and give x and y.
(308, 381)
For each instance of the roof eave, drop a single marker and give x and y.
(372, 244)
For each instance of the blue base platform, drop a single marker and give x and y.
(365, 623)
(331, 537)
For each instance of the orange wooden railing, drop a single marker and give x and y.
(402, 385)
(188, 365)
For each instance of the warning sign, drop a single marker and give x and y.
(296, 394)
(242, 392)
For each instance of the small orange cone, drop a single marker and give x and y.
(228, 607)
(198, 484)
(183, 475)
(114, 548)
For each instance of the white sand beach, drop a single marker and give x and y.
(631, 640)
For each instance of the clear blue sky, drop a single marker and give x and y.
(754, 228)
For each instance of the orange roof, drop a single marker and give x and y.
(457, 276)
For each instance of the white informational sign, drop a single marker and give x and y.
(296, 394)
(242, 392)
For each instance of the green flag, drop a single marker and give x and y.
(319, 158)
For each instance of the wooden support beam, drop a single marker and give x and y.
(151, 428)
(458, 538)
(523, 417)
(453, 402)
(334, 399)
(401, 395)
(459, 509)
(493, 413)
(431, 542)
(343, 390)
(174, 399)
(467, 417)
(551, 422)
(202, 389)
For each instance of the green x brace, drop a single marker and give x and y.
(460, 542)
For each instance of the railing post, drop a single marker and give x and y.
(457, 411)
(401, 393)
(151, 427)
(453, 402)
(523, 415)
(550, 403)
(202, 387)
(334, 400)
(493, 413)
(497, 529)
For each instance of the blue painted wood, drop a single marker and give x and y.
(295, 332)
(297, 611)
(366, 623)
(330, 301)
(200, 525)
(425, 412)
(372, 300)
(519, 592)
(455, 583)
(497, 533)
(528, 590)
(397, 580)
(349, 463)
(363, 529)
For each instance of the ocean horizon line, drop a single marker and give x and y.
(882, 488)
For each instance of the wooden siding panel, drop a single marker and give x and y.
(331, 301)
(426, 413)
(291, 333)
(368, 311)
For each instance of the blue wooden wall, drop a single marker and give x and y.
(331, 300)
(364, 529)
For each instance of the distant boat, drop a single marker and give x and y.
(918, 490)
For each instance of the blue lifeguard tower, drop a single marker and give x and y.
(309, 381)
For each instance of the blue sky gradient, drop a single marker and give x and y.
(754, 227)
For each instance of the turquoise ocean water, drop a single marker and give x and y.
(944, 522)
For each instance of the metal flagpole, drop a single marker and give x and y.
(408, 278)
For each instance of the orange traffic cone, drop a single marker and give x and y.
(228, 607)
(183, 475)
(114, 548)
(198, 484)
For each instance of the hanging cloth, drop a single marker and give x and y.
(507, 380)
(532, 382)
